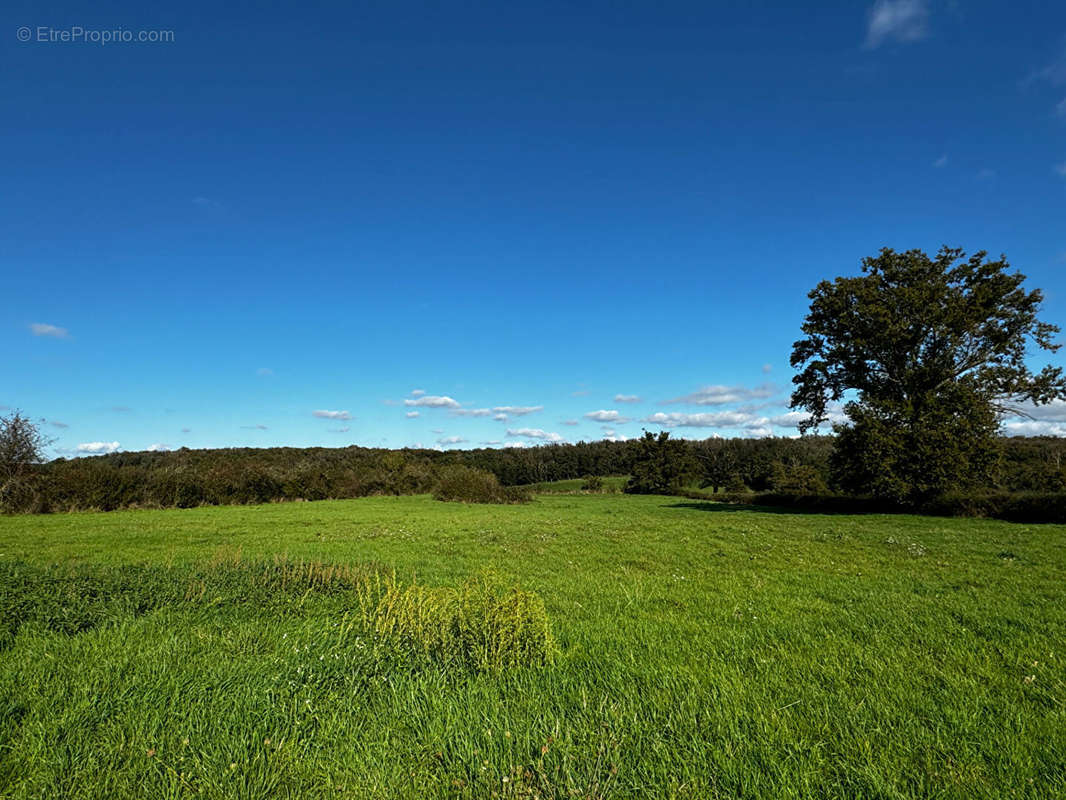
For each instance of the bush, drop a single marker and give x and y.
(468, 485)
(592, 483)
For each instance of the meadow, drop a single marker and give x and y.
(696, 650)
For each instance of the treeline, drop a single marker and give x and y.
(188, 478)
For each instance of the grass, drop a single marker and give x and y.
(700, 651)
(612, 483)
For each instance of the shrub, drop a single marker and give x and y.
(468, 485)
(592, 483)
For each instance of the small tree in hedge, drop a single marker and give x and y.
(659, 464)
(21, 449)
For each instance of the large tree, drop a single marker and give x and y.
(927, 354)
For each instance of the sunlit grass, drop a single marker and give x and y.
(699, 651)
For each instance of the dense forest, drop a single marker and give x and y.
(186, 478)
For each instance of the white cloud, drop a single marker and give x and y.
(719, 395)
(345, 429)
(570, 422)
(517, 411)
(606, 416)
(472, 412)
(897, 20)
(432, 401)
(1055, 411)
(259, 427)
(1034, 427)
(98, 447)
(716, 419)
(451, 440)
(790, 419)
(158, 447)
(941, 162)
(43, 329)
(265, 372)
(413, 414)
(767, 369)
(626, 398)
(500, 417)
(535, 433)
(1061, 169)
(418, 392)
(324, 414)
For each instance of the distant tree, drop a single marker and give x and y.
(928, 353)
(22, 448)
(659, 464)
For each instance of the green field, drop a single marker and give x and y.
(703, 651)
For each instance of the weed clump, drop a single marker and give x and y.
(468, 485)
(482, 624)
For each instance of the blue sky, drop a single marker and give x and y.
(594, 217)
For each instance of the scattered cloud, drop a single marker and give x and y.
(254, 427)
(55, 423)
(44, 329)
(901, 21)
(607, 416)
(98, 447)
(517, 411)
(432, 401)
(535, 433)
(472, 412)
(719, 395)
(1034, 427)
(1061, 169)
(418, 392)
(324, 414)
(265, 372)
(186, 430)
(707, 419)
(500, 417)
(345, 429)
(158, 447)
(626, 398)
(767, 369)
(580, 393)
(437, 430)
(570, 422)
(413, 414)
(447, 440)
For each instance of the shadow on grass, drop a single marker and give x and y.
(734, 508)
